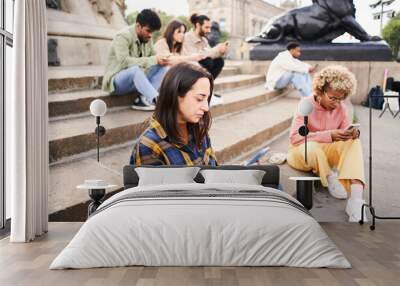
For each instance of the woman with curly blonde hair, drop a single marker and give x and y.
(334, 152)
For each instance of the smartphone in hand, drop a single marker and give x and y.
(353, 126)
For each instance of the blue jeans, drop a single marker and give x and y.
(134, 79)
(301, 81)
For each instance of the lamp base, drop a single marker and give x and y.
(304, 193)
(304, 190)
(97, 195)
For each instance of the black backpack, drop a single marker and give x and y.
(377, 99)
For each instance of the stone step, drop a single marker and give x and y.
(231, 136)
(61, 104)
(64, 72)
(98, 70)
(63, 79)
(235, 134)
(74, 78)
(237, 81)
(69, 137)
(75, 103)
(229, 71)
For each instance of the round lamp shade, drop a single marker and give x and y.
(98, 107)
(305, 107)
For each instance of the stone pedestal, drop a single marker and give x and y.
(367, 51)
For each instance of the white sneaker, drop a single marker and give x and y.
(140, 103)
(216, 100)
(353, 210)
(335, 188)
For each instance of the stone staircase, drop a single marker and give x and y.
(249, 117)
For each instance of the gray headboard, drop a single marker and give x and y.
(270, 179)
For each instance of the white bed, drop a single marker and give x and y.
(201, 224)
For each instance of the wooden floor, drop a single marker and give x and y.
(374, 255)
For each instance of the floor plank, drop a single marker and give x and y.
(374, 255)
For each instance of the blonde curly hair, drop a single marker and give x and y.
(336, 77)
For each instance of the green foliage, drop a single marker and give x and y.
(391, 34)
(186, 21)
(224, 36)
(355, 118)
(165, 19)
(131, 18)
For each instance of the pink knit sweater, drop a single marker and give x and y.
(320, 123)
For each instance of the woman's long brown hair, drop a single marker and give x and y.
(169, 36)
(176, 83)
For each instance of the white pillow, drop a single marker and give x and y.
(166, 176)
(248, 177)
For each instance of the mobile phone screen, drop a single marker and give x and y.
(353, 126)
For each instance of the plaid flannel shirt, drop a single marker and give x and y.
(154, 148)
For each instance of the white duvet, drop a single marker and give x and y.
(184, 230)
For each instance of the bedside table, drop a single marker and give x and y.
(97, 191)
(304, 190)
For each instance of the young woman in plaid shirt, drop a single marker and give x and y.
(178, 130)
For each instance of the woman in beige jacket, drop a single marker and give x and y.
(170, 45)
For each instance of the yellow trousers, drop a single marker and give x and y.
(346, 156)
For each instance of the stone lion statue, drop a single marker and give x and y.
(321, 22)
